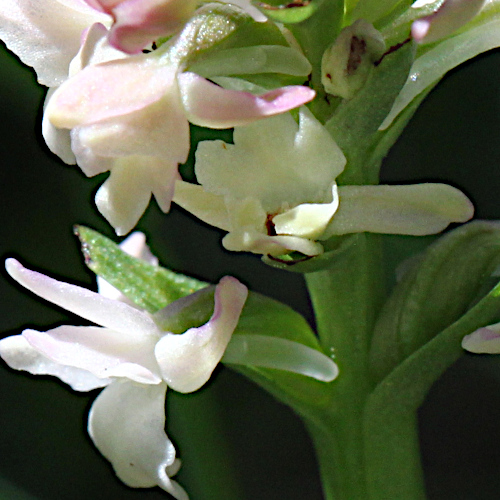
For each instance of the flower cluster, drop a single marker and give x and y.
(126, 81)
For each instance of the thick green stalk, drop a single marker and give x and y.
(352, 453)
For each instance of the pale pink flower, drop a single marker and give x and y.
(134, 358)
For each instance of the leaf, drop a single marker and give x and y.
(434, 293)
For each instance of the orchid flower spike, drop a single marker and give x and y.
(274, 190)
(450, 16)
(134, 359)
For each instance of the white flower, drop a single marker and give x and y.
(134, 359)
(134, 356)
(108, 111)
(130, 116)
(274, 191)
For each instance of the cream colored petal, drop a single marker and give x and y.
(308, 220)
(208, 207)
(418, 209)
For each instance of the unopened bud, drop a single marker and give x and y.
(347, 63)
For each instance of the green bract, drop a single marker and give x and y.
(435, 291)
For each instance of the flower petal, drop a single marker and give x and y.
(19, 354)
(418, 210)
(435, 63)
(450, 16)
(209, 105)
(296, 163)
(110, 89)
(247, 240)
(280, 354)
(57, 140)
(140, 22)
(125, 195)
(187, 360)
(308, 220)
(483, 341)
(208, 207)
(109, 313)
(100, 351)
(46, 34)
(126, 423)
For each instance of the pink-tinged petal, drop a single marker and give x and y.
(160, 129)
(187, 361)
(46, 34)
(19, 354)
(100, 351)
(86, 304)
(95, 49)
(125, 195)
(209, 105)
(126, 424)
(140, 22)
(108, 90)
(451, 16)
(483, 341)
(103, 5)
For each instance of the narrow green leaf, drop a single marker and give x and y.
(434, 293)
(149, 287)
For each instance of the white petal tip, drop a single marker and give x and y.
(482, 341)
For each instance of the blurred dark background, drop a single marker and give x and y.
(45, 453)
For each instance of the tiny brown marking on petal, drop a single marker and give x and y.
(358, 50)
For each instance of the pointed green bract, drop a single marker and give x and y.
(435, 292)
(149, 287)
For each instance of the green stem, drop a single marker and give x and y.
(393, 465)
(362, 456)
